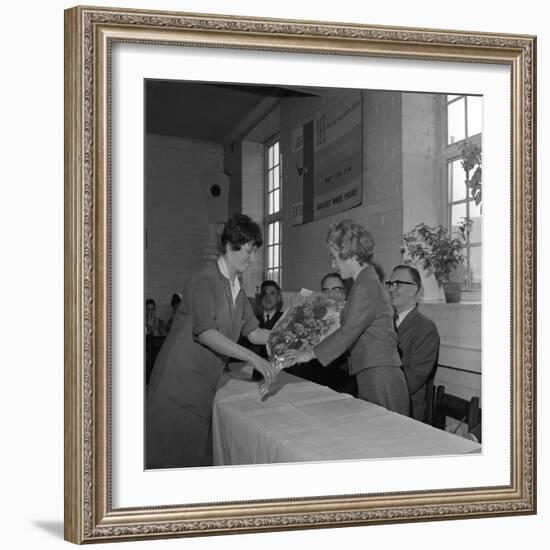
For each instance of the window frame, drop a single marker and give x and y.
(273, 272)
(451, 153)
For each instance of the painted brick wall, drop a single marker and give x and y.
(459, 327)
(253, 206)
(179, 235)
(305, 256)
(422, 170)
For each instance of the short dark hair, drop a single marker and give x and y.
(176, 300)
(413, 272)
(239, 230)
(270, 283)
(150, 301)
(333, 275)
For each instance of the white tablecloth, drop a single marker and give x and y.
(301, 421)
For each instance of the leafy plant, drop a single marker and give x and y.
(471, 161)
(437, 250)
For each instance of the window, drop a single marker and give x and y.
(273, 217)
(461, 205)
(464, 123)
(463, 117)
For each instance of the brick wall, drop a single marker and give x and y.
(305, 255)
(459, 327)
(253, 206)
(179, 235)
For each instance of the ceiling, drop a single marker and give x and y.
(206, 111)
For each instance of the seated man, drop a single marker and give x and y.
(271, 304)
(335, 375)
(154, 325)
(155, 331)
(269, 313)
(418, 339)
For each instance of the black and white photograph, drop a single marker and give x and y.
(313, 274)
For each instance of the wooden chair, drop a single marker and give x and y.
(447, 405)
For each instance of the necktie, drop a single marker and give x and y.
(395, 319)
(267, 318)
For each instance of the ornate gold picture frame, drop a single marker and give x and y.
(90, 35)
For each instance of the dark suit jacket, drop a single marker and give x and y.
(419, 350)
(366, 327)
(273, 319)
(261, 350)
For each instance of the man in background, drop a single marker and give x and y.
(269, 313)
(418, 339)
(153, 325)
(271, 304)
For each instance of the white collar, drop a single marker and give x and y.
(236, 284)
(402, 315)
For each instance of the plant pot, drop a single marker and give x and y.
(452, 292)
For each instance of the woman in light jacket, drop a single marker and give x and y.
(366, 330)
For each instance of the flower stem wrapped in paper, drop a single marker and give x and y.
(308, 321)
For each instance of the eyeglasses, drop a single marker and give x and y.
(334, 289)
(393, 284)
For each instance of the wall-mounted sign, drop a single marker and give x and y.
(329, 159)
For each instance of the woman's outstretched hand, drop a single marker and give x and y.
(293, 356)
(268, 371)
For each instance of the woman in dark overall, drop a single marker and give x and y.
(213, 314)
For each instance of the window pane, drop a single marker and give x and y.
(270, 157)
(270, 205)
(457, 177)
(276, 180)
(475, 115)
(270, 257)
(276, 153)
(276, 205)
(276, 235)
(458, 211)
(276, 255)
(475, 264)
(269, 234)
(270, 180)
(456, 121)
(475, 215)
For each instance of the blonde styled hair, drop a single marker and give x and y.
(351, 240)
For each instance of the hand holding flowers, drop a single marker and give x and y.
(291, 356)
(303, 325)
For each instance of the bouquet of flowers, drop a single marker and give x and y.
(308, 321)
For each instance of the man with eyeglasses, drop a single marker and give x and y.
(418, 339)
(333, 285)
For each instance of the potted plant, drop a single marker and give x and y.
(439, 252)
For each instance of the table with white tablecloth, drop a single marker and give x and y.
(300, 421)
